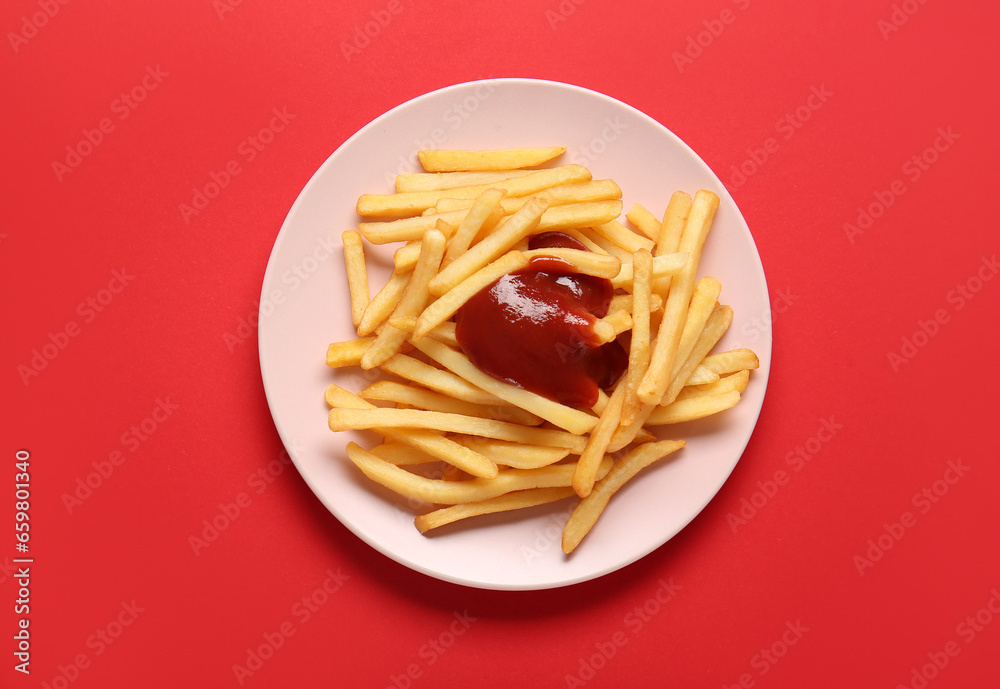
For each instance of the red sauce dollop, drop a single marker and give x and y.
(535, 329)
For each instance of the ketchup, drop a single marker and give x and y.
(535, 328)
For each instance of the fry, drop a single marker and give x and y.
(391, 391)
(638, 356)
(585, 262)
(736, 381)
(349, 353)
(362, 419)
(379, 309)
(432, 443)
(414, 298)
(451, 301)
(702, 375)
(431, 181)
(620, 235)
(731, 361)
(357, 274)
(693, 408)
(414, 202)
(597, 444)
(579, 215)
(504, 503)
(407, 229)
(583, 518)
(612, 325)
(573, 420)
(657, 377)
(662, 266)
(454, 492)
(485, 210)
(515, 455)
(443, 160)
(645, 221)
(517, 226)
(445, 382)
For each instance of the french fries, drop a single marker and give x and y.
(465, 222)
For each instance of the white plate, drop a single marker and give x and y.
(305, 306)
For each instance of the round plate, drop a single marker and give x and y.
(305, 306)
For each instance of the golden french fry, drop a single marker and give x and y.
(442, 381)
(361, 419)
(445, 333)
(736, 381)
(357, 274)
(515, 455)
(583, 518)
(715, 327)
(597, 444)
(517, 500)
(612, 325)
(623, 237)
(515, 228)
(573, 420)
(703, 302)
(414, 298)
(638, 355)
(444, 160)
(381, 307)
(407, 229)
(432, 181)
(731, 361)
(584, 262)
(414, 202)
(445, 306)
(606, 245)
(693, 408)
(702, 375)
(391, 391)
(427, 441)
(485, 210)
(402, 454)
(645, 221)
(672, 227)
(623, 302)
(349, 353)
(699, 221)
(405, 258)
(454, 492)
(662, 266)
(558, 218)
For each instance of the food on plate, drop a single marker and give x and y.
(538, 347)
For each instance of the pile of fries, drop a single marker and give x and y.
(464, 223)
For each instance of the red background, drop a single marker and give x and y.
(852, 301)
